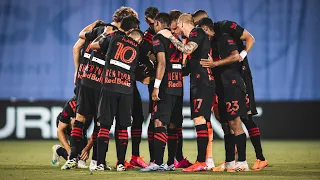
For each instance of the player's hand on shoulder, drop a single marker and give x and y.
(155, 94)
(165, 33)
(98, 22)
(151, 57)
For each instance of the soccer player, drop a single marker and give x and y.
(147, 58)
(239, 35)
(180, 161)
(231, 92)
(166, 96)
(89, 91)
(116, 94)
(65, 120)
(202, 85)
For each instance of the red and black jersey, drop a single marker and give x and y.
(121, 61)
(235, 31)
(91, 76)
(146, 46)
(172, 82)
(199, 74)
(227, 74)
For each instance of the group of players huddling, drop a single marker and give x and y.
(110, 57)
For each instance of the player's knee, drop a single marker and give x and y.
(158, 123)
(171, 126)
(80, 117)
(199, 120)
(236, 126)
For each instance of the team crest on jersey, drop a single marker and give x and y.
(156, 42)
(230, 41)
(193, 34)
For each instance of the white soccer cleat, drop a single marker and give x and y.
(70, 164)
(151, 167)
(210, 163)
(93, 165)
(55, 157)
(241, 166)
(100, 167)
(169, 168)
(82, 164)
(120, 167)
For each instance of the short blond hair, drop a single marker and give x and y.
(185, 18)
(122, 12)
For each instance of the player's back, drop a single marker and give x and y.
(121, 62)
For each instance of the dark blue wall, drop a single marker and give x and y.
(37, 37)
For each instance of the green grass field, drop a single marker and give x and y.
(287, 160)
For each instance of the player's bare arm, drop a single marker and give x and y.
(82, 34)
(96, 43)
(233, 57)
(76, 55)
(62, 136)
(246, 36)
(86, 150)
(188, 48)
(161, 58)
(184, 48)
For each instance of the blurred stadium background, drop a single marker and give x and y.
(36, 65)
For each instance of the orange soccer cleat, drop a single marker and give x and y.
(225, 166)
(138, 161)
(259, 165)
(128, 165)
(197, 166)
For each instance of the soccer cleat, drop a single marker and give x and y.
(169, 168)
(241, 166)
(259, 165)
(138, 161)
(120, 167)
(70, 164)
(225, 166)
(82, 164)
(151, 167)
(100, 167)
(210, 163)
(55, 157)
(128, 165)
(198, 166)
(184, 163)
(93, 165)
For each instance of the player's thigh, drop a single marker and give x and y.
(234, 101)
(124, 110)
(201, 101)
(162, 109)
(107, 107)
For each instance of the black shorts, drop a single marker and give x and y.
(168, 109)
(232, 103)
(115, 105)
(87, 101)
(250, 92)
(201, 98)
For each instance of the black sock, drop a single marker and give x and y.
(179, 153)
(75, 139)
(136, 140)
(122, 144)
(62, 152)
(241, 146)
(151, 140)
(172, 144)
(160, 141)
(202, 141)
(254, 134)
(103, 144)
(229, 145)
(95, 145)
